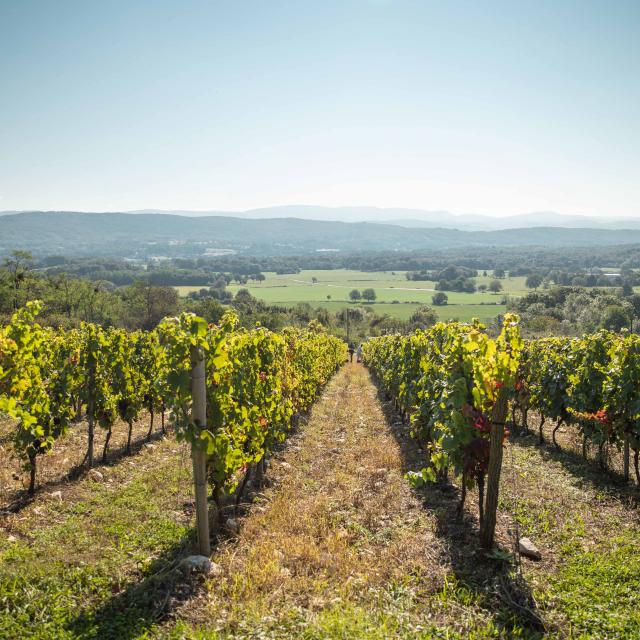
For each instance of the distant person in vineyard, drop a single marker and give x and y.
(351, 350)
(359, 353)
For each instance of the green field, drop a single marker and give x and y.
(396, 295)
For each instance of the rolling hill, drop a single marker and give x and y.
(422, 217)
(128, 234)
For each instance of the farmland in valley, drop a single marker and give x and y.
(395, 295)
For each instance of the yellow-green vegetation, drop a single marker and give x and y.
(258, 380)
(395, 295)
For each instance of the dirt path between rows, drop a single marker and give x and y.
(340, 543)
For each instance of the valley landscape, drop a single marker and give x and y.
(319, 320)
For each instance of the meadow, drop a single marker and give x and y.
(395, 295)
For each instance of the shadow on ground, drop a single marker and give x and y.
(164, 586)
(588, 472)
(142, 604)
(504, 594)
(22, 498)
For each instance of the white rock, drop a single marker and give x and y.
(285, 465)
(201, 564)
(56, 495)
(96, 475)
(527, 548)
(11, 539)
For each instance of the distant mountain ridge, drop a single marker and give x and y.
(416, 218)
(143, 235)
(412, 218)
(420, 218)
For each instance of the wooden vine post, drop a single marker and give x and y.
(91, 401)
(626, 458)
(198, 456)
(498, 416)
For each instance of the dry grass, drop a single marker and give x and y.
(339, 527)
(341, 546)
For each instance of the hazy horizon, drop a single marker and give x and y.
(495, 109)
(409, 210)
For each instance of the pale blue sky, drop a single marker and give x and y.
(471, 106)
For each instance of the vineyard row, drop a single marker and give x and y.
(257, 381)
(455, 384)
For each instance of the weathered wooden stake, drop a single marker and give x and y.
(626, 458)
(498, 416)
(90, 435)
(199, 457)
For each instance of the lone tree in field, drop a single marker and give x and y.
(495, 286)
(369, 295)
(355, 295)
(482, 288)
(533, 281)
(440, 299)
(314, 280)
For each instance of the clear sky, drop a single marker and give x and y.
(470, 106)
